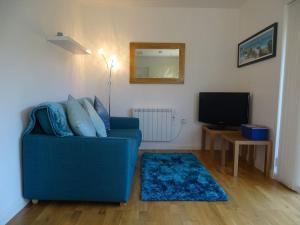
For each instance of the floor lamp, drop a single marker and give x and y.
(110, 65)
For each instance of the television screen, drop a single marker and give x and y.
(224, 108)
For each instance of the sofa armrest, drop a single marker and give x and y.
(77, 168)
(124, 123)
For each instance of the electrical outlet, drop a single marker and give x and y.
(183, 121)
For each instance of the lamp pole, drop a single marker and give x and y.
(109, 89)
(109, 66)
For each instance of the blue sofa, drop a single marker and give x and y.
(79, 168)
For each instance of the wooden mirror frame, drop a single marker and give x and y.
(148, 45)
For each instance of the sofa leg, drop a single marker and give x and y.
(34, 201)
(123, 204)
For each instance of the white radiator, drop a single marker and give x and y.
(156, 124)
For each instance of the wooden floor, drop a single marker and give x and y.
(253, 200)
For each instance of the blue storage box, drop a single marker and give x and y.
(255, 132)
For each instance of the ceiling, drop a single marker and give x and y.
(174, 3)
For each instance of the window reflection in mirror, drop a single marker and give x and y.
(157, 63)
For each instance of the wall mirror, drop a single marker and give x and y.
(157, 63)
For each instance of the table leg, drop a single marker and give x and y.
(251, 155)
(223, 148)
(268, 158)
(212, 147)
(236, 153)
(212, 143)
(203, 139)
(245, 151)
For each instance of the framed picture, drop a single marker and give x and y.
(259, 47)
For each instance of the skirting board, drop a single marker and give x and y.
(170, 148)
(11, 210)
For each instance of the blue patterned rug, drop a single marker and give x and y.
(177, 177)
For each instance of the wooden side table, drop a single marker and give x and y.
(238, 140)
(213, 134)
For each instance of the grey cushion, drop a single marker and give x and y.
(79, 119)
(97, 121)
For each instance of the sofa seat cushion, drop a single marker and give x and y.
(126, 133)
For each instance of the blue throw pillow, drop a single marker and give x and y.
(79, 119)
(97, 121)
(53, 120)
(100, 109)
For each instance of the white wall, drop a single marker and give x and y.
(210, 36)
(32, 71)
(262, 79)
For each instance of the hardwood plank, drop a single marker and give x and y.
(253, 200)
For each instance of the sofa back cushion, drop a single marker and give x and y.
(79, 119)
(97, 121)
(102, 112)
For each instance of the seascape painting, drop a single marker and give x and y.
(260, 46)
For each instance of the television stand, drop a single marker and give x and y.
(222, 128)
(213, 132)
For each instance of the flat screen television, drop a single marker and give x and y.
(224, 109)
